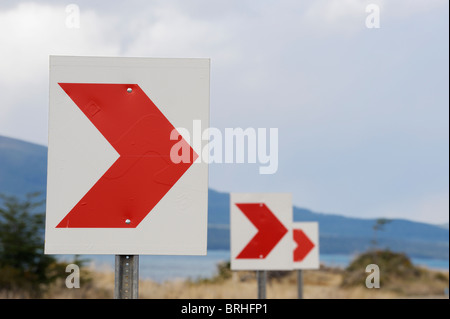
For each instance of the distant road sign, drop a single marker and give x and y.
(260, 231)
(112, 186)
(306, 250)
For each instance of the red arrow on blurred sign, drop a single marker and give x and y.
(304, 245)
(144, 172)
(270, 230)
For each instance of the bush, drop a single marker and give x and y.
(393, 266)
(23, 265)
(397, 273)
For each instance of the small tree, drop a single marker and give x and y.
(23, 265)
(379, 225)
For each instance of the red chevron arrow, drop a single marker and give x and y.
(143, 173)
(270, 230)
(304, 245)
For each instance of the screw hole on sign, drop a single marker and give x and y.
(129, 90)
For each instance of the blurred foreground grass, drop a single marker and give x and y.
(325, 283)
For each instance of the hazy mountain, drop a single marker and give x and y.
(344, 235)
(23, 169)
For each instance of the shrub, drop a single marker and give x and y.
(23, 265)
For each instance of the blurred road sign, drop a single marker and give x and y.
(306, 250)
(260, 231)
(112, 186)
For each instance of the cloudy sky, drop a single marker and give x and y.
(362, 113)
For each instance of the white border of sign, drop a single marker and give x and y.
(78, 155)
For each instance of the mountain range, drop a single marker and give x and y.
(23, 169)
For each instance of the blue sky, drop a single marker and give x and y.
(362, 113)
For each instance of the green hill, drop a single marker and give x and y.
(23, 169)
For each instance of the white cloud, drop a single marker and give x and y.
(29, 33)
(166, 31)
(338, 93)
(403, 9)
(337, 15)
(347, 17)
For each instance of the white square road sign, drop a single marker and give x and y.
(306, 245)
(261, 237)
(113, 186)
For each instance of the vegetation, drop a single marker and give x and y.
(324, 283)
(24, 268)
(397, 274)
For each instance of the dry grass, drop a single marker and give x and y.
(318, 284)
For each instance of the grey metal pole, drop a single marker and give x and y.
(126, 281)
(261, 278)
(300, 283)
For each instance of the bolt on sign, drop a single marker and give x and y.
(112, 187)
(261, 237)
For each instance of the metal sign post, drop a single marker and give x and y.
(261, 276)
(300, 284)
(126, 281)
